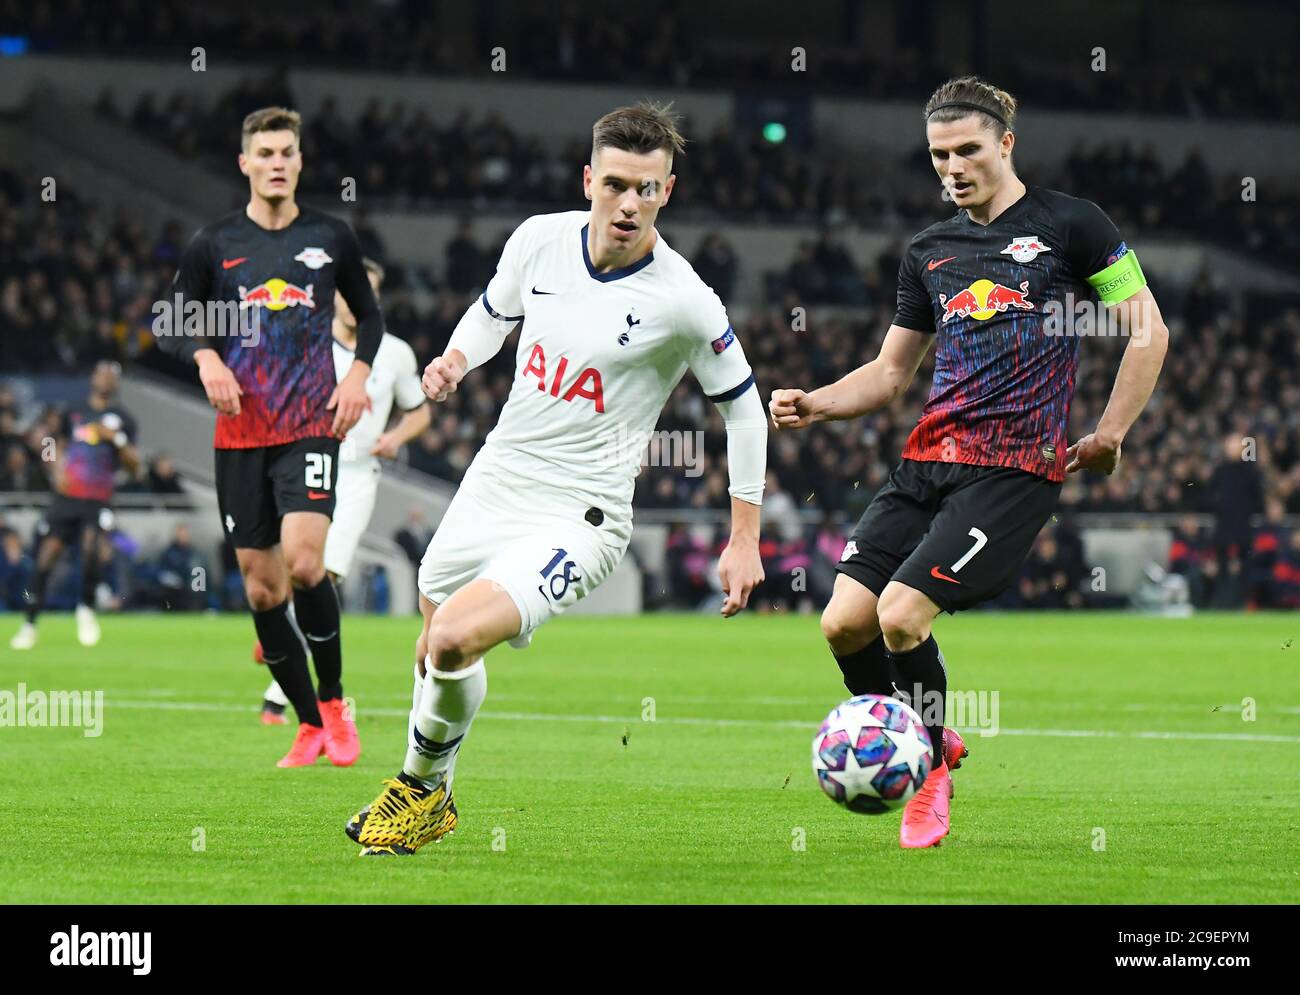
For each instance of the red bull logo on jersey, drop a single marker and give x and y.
(586, 384)
(276, 295)
(983, 299)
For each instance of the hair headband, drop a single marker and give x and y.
(974, 107)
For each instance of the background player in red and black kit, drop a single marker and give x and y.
(97, 439)
(281, 412)
(982, 470)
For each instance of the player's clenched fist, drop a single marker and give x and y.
(441, 377)
(791, 409)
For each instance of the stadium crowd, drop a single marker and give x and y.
(563, 43)
(402, 158)
(1221, 438)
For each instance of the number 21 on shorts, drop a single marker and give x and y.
(320, 470)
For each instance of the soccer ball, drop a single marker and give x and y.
(872, 754)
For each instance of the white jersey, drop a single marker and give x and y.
(598, 356)
(394, 375)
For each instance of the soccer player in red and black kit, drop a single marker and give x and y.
(982, 470)
(98, 438)
(281, 413)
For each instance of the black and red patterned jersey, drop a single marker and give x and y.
(286, 368)
(1001, 298)
(94, 441)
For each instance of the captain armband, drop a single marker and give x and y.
(1120, 280)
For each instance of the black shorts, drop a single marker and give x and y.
(258, 487)
(69, 518)
(957, 533)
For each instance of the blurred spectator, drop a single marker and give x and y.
(114, 591)
(1236, 495)
(372, 245)
(715, 263)
(1285, 589)
(179, 566)
(832, 258)
(689, 564)
(781, 517)
(466, 267)
(1191, 555)
(805, 278)
(15, 571)
(1049, 579)
(20, 474)
(426, 455)
(1267, 551)
(163, 477)
(414, 536)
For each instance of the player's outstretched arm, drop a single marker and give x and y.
(868, 388)
(1148, 341)
(740, 567)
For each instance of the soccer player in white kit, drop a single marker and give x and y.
(394, 379)
(610, 319)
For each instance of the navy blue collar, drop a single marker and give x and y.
(614, 274)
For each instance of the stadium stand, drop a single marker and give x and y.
(78, 279)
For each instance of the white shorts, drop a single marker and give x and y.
(354, 502)
(546, 556)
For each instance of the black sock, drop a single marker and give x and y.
(867, 671)
(922, 681)
(317, 609)
(36, 593)
(285, 658)
(89, 576)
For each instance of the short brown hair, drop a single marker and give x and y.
(271, 119)
(640, 129)
(966, 95)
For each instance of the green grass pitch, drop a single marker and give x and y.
(1112, 729)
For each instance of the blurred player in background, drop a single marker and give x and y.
(395, 376)
(281, 411)
(996, 286)
(610, 319)
(97, 440)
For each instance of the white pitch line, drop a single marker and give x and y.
(1227, 708)
(684, 720)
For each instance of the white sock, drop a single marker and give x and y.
(417, 692)
(448, 705)
(275, 695)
